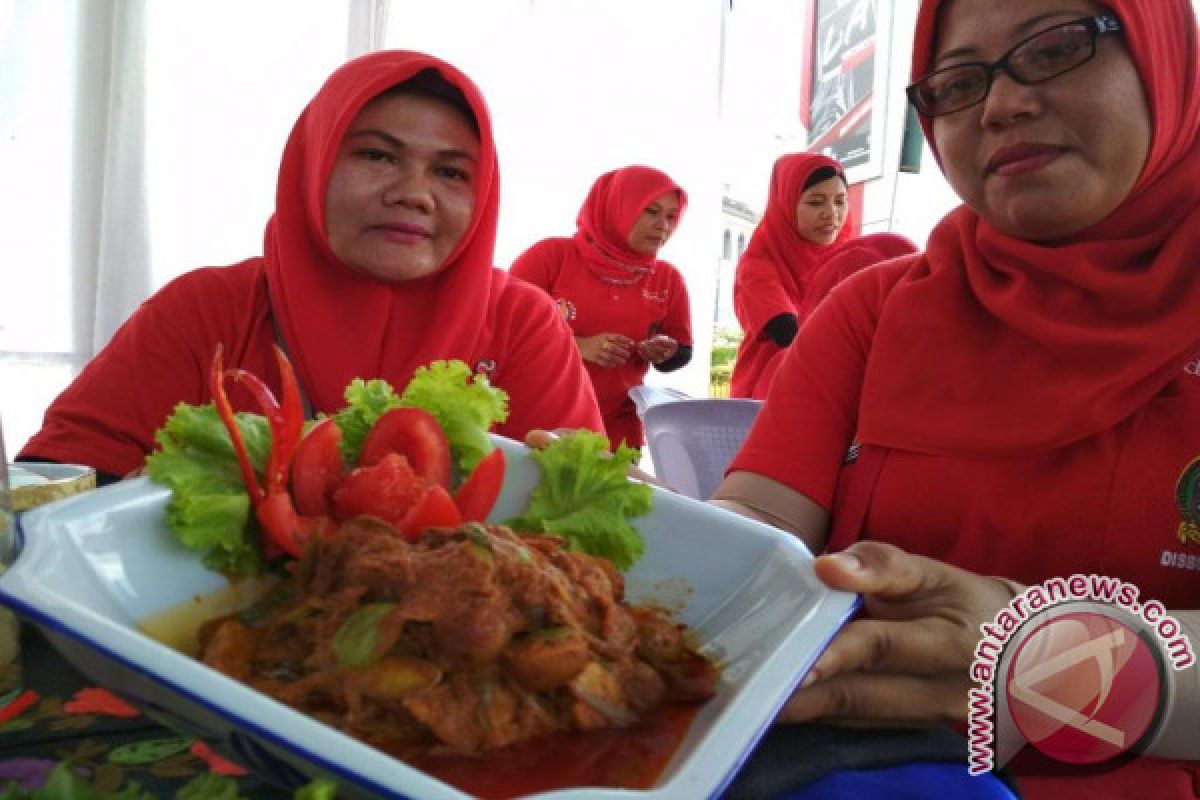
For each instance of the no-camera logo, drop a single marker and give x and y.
(1084, 687)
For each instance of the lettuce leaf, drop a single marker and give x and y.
(587, 498)
(209, 508)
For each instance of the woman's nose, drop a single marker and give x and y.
(1008, 101)
(410, 187)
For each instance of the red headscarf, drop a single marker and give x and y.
(607, 216)
(336, 323)
(995, 345)
(776, 239)
(849, 257)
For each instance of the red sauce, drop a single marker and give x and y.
(627, 758)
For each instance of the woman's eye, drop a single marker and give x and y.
(372, 154)
(453, 173)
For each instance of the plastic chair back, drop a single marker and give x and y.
(692, 442)
(645, 396)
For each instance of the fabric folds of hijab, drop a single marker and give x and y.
(319, 304)
(608, 214)
(776, 240)
(848, 258)
(992, 345)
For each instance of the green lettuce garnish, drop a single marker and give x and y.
(209, 508)
(587, 498)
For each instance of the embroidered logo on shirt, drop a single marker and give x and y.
(1187, 500)
(655, 297)
(1193, 368)
(485, 366)
(566, 308)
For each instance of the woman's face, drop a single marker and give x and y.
(821, 211)
(402, 188)
(1046, 161)
(655, 224)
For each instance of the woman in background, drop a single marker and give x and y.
(378, 260)
(627, 308)
(805, 216)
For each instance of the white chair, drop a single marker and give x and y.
(692, 442)
(645, 396)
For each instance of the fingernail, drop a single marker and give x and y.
(849, 561)
(812, 677)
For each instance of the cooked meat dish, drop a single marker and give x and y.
(463, 641)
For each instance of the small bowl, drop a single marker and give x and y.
(62, 480)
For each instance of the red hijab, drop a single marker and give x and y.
(607, 217)
(992, 345)
(776, 240)
(847, 258)
(336, 323)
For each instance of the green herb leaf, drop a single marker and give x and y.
(587, 497)
(354, 643)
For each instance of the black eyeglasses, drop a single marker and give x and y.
(1039, 58)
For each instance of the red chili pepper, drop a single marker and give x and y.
(272, 504)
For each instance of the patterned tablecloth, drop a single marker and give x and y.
(50, 714)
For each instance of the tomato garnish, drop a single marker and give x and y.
(386, 490)
(435, 509)
(415, 434)
(317, 468)
(480, 490)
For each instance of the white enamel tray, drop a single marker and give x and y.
(93, 565)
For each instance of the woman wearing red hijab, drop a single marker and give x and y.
(378, 260)
(843, 260)
(1021, 400)
(627, 308)
(806, 215)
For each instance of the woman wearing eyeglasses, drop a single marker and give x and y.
(806, 216)
(1018, 403)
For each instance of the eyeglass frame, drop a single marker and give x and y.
(1097, 26)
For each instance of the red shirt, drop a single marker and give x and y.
(1104, 505)
(656, 304)
(161, 356)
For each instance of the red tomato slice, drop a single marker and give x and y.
(435, 509)
(479, 491)
(317, 469)
(415, 434)
(387, 490)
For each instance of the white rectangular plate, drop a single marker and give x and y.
(93, 565)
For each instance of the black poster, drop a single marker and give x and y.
(843, 79)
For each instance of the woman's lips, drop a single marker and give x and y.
(403, 234)
(1021, 159)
